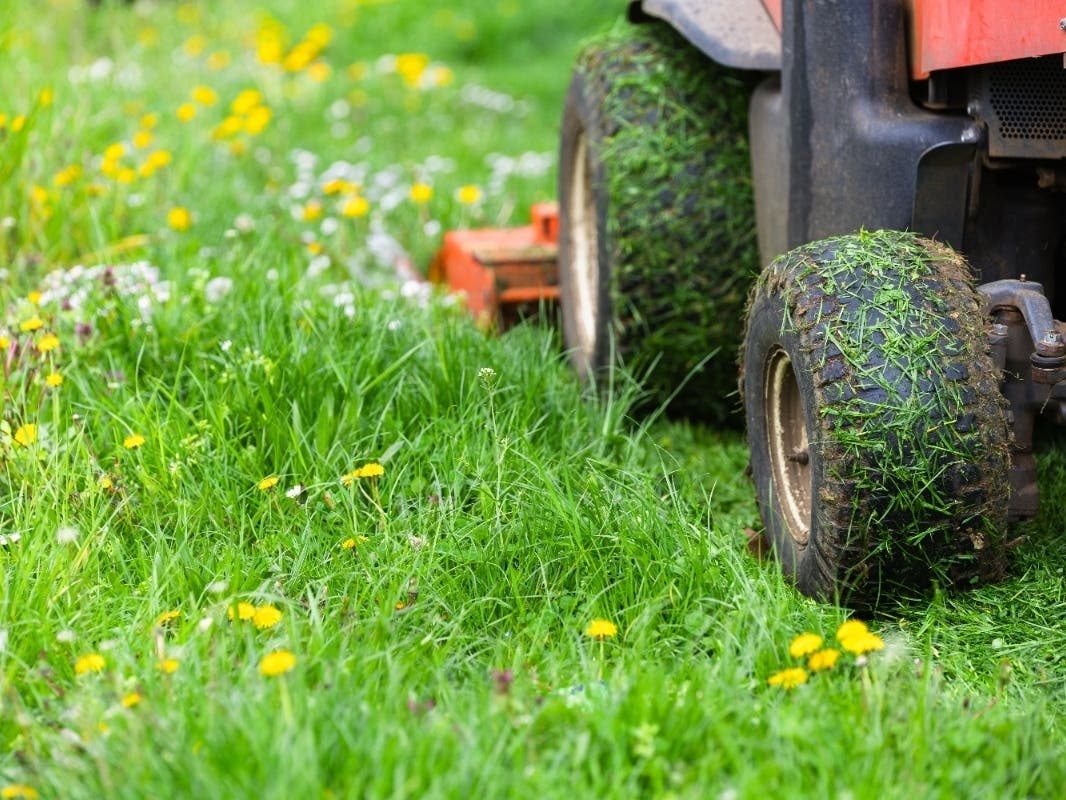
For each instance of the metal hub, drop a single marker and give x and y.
(786, 432)
(584, 250)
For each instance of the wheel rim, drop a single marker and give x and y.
(786, 432)
(584, 254)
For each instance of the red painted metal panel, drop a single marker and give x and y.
(504, 273)
(962, 33)
(773, 8)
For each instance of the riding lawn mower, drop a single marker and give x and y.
(862, 205)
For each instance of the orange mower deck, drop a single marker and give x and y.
(505, 274)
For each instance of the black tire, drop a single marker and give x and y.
(657, 242)
(878, 436)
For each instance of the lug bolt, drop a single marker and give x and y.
(1052, 337)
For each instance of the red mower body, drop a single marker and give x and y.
(947, 34)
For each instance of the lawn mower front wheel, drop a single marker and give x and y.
(878, 436)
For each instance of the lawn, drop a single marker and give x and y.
(278, 520)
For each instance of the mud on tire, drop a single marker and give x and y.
(878, 436)
(657, 235)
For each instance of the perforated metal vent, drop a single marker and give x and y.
(1026, 107)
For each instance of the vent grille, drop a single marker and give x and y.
(1027, 101)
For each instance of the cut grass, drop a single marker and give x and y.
(512, 509)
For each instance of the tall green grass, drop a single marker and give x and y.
(436, 614)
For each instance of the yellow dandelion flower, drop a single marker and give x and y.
(351, 542)
(18, 123)
(26, 435)
(126, 175)
(277, 663)
(106, 483)
(400, 605)
(166, 617)
(270, 51)
(114, 152)
(357, 71)
(319, 71)
(45, 97)
(5, 342)
(860, 643)
(257, 120)
(110, 168)
(319, 34)
(186, 112)
(39, 194)
(788, 678)
(299, 57)
(268, 482)
(168, 665)
(468, 195)
(312, 211)
(91, 662)
(66, 176)
(31, 324)
(194, 45)
(823, 659)
(19, 791)
(179, 218)
(238, 147)
(851, 628)
(132, 700)
(204, 95)
(230, 126)
(54, 379)
(245, 611)
(48, 343)
(266, 617)
(34, 297)
(356, 207)
(804, 645)
(142, 139)
(158, 158)
(336, 186)
(421, 193)
(410, 67)
(245, 101)
(370, 470)
(133, 441)
(315, 248)
(601, 629)
(149, 121)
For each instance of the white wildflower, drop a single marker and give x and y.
(217, 288)
(67, 535)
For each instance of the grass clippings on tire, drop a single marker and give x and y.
(681, 222)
